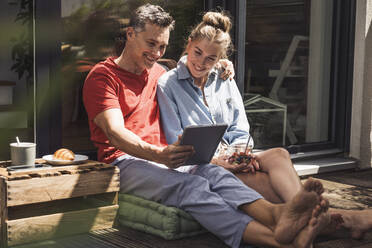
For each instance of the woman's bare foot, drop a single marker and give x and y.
(334, 225)
(297, 213)
(358, 221)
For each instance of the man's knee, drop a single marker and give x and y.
(190, 189)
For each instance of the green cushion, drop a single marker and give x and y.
(155, 218)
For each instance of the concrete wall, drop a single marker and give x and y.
(361, 126)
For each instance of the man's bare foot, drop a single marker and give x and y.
(357, 221)
(297, 213)
(317, 223)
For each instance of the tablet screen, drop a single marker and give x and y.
(204, 139)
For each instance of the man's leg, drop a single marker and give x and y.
(260, 235)
(283, 177)
(188, 192)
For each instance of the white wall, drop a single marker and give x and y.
(361, 134)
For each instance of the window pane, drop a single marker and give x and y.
(16, 74)
(288, 52)
(92, 31)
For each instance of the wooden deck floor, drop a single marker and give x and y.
(346, 190)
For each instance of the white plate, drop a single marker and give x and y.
(78, 160)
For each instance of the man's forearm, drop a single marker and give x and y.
(130, 143)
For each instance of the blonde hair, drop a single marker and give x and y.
(215, 27)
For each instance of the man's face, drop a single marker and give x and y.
(148, 45)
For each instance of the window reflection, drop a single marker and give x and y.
(94, 30)
(288, 46)
(16, 74)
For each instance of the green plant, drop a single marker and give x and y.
(22, 50)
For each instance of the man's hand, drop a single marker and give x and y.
(227, 67)
(175, 155)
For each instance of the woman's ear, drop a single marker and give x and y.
(188, 45)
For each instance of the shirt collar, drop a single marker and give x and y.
(183, 72)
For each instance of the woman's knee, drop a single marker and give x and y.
(282, 153)
(274, 154)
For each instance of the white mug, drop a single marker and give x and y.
(23, 153)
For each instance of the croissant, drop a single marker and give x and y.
(64, 154)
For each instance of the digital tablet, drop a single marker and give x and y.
(204, 139)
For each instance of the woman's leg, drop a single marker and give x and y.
(357, 221)
(259, 234)
(283, 177)
(260, 182)
(286, 219)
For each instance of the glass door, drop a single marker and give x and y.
(17, 88)
(288, 49)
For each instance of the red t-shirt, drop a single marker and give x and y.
(108, 86)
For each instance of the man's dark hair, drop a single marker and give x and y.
(153, 14)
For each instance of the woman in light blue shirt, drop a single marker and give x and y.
(194, 94)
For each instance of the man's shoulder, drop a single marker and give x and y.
(101, 74)
(102, 66)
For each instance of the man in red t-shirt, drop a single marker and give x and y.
(120, 98)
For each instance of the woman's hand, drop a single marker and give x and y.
(227, 67)
(253, 165)
(234, 167)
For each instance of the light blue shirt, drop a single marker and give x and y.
(181, 104)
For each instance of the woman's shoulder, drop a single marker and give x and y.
(168, 78)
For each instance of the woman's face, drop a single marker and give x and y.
(202, 55)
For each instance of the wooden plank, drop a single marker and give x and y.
(59, 225)
(3, 213)
(61, 187)
(3, 172)
(62, 206)
(90, 165)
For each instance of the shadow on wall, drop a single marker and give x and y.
(365, 142)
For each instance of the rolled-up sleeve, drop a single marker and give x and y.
(170, 118)
(238, 130)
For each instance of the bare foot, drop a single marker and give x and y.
(316, 224)
(296, 214)
(312, 184)
(358, 221)
(334, 225)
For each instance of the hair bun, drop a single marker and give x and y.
(217, 20)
